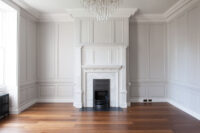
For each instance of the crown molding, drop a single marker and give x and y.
(27, 15)
(83, 13)
(27, 8)
(70, 14)
(10, 3)
(56, 17)
(178, 8)
(148, 18)
(174, 11)
(175, 7)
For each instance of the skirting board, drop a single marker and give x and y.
(23, 107)
(55, 101)
(14, 110)
(188, 111)
(31, 103)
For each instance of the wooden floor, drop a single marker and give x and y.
(63, 118)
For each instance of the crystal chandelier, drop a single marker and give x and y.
(102, 9)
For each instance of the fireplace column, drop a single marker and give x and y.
(78, 93)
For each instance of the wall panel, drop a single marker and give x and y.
(184, 59)
(157, 52)
(27, 62)
(147, 61)
(65, 51)
(55, 61)
(139, 52)
(46, 51)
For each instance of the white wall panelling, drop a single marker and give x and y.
(55, 61)
(148, 61)
(55, 92)
(9, 56)
(20, 65)
(101, 55)
(27, 62)
(184, 60)
(112, 32)
(145, 57)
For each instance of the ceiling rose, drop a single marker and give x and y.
(102, 9)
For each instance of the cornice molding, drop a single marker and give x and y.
(179, 8)
(102, 67)
(61, 17)
(148, 18)
(175, 7)
(9, 2)
(25, 14)
(82, 13)
(70, 14)
(26, 7)
(174, 11)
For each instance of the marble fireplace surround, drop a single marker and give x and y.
(101, 72)
(105, 62)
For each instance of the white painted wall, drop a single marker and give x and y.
(55, 61)
(9, 53)
(27, 61)
(147, 61)
(184, 61)
(20, 58)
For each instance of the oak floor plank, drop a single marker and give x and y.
(64, 118)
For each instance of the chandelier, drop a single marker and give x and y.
(102, 9)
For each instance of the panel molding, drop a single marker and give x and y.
(145, 89)
(89, 31)
(55, 94)
(192, 87)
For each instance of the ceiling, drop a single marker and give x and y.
(60, 6)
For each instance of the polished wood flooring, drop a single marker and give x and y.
(63, 118)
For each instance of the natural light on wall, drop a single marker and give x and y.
(2, 49)
(8, 51)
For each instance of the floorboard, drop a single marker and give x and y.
(64, 118)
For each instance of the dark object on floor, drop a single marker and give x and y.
(4, 105)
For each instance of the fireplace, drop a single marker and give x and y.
(101, 93)
(101, 51)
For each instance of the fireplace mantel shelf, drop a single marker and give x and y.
(102, 66)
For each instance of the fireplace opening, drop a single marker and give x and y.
(101, 89)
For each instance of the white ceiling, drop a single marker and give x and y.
(60, 6)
